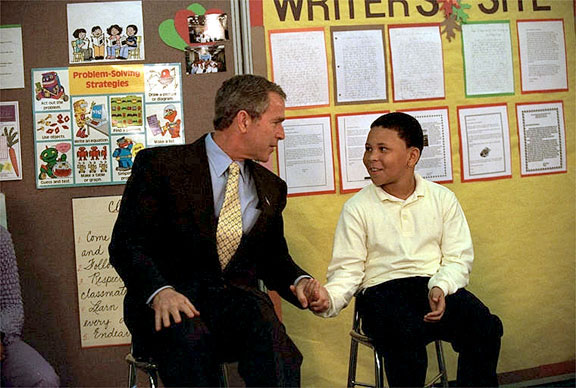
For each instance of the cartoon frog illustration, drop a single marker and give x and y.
(50, 157)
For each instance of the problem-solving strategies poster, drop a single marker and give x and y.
(91, 121)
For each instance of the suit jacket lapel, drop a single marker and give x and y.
(263, 192)
(199, 188)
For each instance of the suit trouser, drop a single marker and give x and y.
(234, 325)
(393, 315)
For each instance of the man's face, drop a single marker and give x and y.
(386, 157)
(264, 133)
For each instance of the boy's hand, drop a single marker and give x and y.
(437, 305)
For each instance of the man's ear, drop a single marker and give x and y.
(243, 119)
(413, 156)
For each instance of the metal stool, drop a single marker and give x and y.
(148, 366)
(358, 337)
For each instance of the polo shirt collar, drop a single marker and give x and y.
(419, 191)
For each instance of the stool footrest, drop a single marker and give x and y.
(361, 338)
(144, 365)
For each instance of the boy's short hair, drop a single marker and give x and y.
(407, 127)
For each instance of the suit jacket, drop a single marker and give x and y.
(165, 233)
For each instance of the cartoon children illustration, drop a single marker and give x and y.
(130, 43)
(123, 154)
(97, 39)
(114, 40)
(81, 115)
(172, 125)
(82, 44)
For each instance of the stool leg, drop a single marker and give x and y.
(441, 364)
(153, 378)
(378, 369)
(223, 375)
(352, 363)
(131, 376)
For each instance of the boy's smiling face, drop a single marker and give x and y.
(387, 158)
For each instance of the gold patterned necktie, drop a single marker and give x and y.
(229, 230)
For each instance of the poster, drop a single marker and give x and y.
(435, 162)
(91, 121)
(359, 65)
(10, 151)
(100, 289)
(542, 138)
(488, 64)
(300, 67)
(542, 49)
(352, 132)
(484, 142)
(105, 32)
(305, 156)
(410, 48)
(12, 64)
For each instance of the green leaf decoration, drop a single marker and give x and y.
(198, 9)
(170, 36)
(461, 15)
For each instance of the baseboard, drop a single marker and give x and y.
(546, 373)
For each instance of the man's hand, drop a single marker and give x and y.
(169, 302)
(311, 295)
(437, 305)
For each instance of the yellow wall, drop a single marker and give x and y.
(523, 228)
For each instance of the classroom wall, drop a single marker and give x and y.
(41, 220)
(523, 227)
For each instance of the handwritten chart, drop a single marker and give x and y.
(100, 289)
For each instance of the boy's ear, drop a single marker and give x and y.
(413, 156)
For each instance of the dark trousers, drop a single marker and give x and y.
(393, 315)
(234, 325)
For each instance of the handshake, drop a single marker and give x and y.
(312, 295)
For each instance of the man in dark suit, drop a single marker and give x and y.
(187, 305)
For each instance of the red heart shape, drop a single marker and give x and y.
(181, 24)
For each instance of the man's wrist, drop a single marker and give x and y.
(301, 277)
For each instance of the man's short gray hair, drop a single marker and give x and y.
(243, 92)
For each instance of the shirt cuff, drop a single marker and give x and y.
(441, 284)
(149, 301)
(300, 278)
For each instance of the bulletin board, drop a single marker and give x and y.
(41, 220)
(436, 62)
